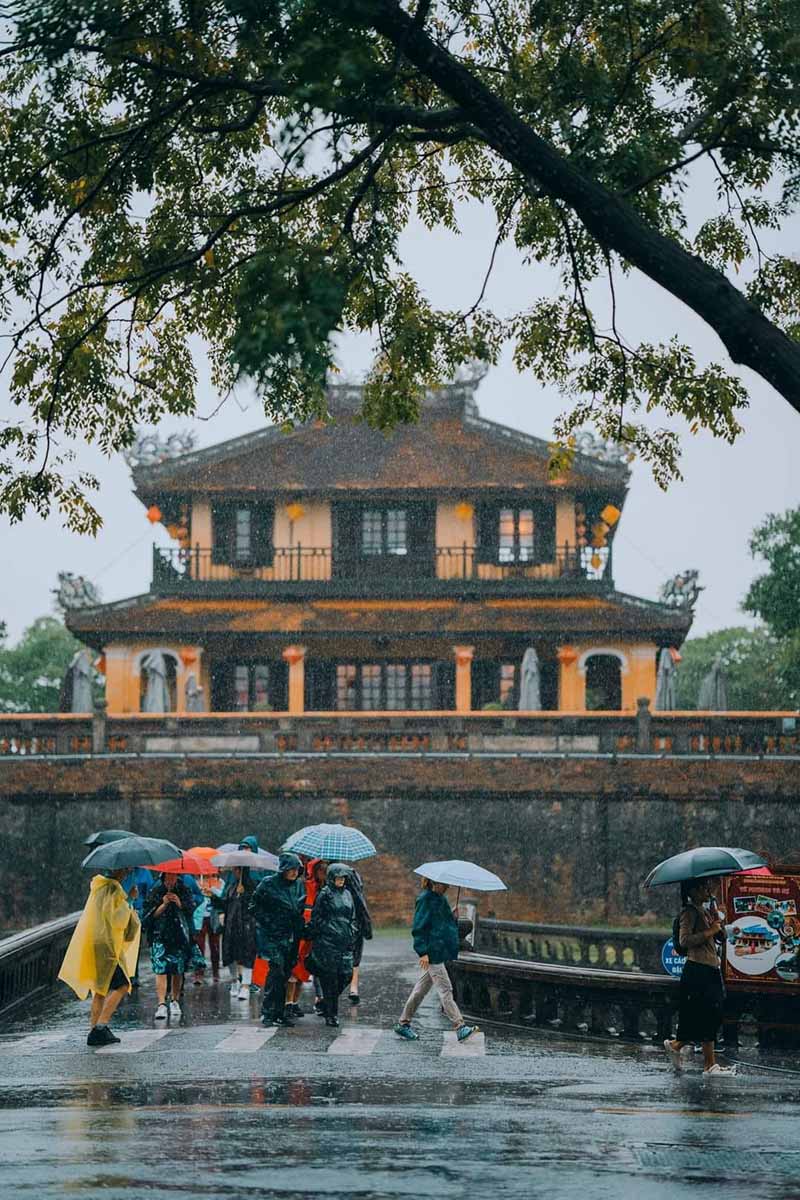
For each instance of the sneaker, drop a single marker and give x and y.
(235, 987)
(285, 1021)
(465, 1031)
(175, 1010)
(295, 1011)
(354, 998)
(333, 1022)
(405, 1031)
(161, 1012)
(319, 1008)
(674, 1056)
(244, 992)
(267, 1022)
(718, 1070)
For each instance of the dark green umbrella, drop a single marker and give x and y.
(132, 851)
(702, 861)
(103, 836)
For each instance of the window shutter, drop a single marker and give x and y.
(545, 531)
(222, 533)
(487, 517)
(346, 526)
(445, 686)
(422, 537)
(263, 526)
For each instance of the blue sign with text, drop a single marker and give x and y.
(672, 962)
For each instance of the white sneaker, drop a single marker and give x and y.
(174, 1010)
(161, 1012)
(244, 991)
(718, 1070)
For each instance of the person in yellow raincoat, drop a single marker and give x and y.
(102, 953)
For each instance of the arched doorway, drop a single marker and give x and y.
(603, 683)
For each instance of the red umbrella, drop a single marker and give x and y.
(187, 864)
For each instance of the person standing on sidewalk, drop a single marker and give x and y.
(102, 953)
(332, 931)
(435, 935)
(702, 992)
(277, 906)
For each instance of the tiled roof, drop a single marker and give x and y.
(451, 447)
(196, 620)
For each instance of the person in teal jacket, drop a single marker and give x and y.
(435, 936)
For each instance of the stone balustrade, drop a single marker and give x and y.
(30, 961)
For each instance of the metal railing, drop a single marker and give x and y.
(770, 735)
(30, 961)
(177, 569)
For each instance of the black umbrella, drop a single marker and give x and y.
(132, 851)
(103, 836)
(703, 861)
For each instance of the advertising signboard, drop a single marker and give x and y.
(762, 932)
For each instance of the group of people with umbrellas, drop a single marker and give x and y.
(285, 920)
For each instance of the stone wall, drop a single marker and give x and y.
(573, 837)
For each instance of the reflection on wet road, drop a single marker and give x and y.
(220, 1107)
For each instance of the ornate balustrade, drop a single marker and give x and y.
(589, 947)
(418, 733)
(30, 961)
(201, 570)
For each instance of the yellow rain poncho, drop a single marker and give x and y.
(106, 937)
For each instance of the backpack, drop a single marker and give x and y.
(680, 949)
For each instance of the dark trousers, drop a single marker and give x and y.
(281, 963)
(213, 944)
(333, 984)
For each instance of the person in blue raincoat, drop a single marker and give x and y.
(277, 906)
(136, 885)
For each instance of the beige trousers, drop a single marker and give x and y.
(435, 976)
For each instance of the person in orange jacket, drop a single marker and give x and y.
(314, 880)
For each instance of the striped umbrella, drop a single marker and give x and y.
(334, 843)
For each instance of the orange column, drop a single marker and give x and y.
(464, 655)
(571, 685)
(295, 656)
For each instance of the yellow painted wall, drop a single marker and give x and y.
(123, 674)
(311, 531)
(638, 673)
(201, 524)
(565, 521)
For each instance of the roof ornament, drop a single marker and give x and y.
(590, 445)
(148, 449)
(75, 591)
(682, 591)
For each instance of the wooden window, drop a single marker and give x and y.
(384, 531)
(396, 686)
(251, 687)
(242, 533)
(371, 686)
(516, 533)
(346, 690)
(421, 686)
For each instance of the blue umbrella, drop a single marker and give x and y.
(334, 843)
(702, 861)
(457, 873)
(107, 835)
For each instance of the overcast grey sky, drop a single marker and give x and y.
(703, 522)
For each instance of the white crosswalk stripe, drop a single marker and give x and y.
(471, 1047)
(135, 1041)
(355, 1040)
(34, 1041)
(244, 1041)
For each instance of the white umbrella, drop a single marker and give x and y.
(263, 861)
(713, 695)
(530, 686)
(156, 696)
(81, 668)
(460, 874)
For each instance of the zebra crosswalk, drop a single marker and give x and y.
(351, 1041)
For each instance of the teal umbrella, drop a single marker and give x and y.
(133, 851)
(702, 861)
(107, 835)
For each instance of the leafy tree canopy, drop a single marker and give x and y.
(775, 595)
(753, 663)
(241, 171)
(31, 672)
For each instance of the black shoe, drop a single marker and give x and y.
(100, 1035)
(319, 1008)
(135, 981)
(267, 1022)
(355, 998)
(295, 1011)
(333, 1022)
(287, 1022)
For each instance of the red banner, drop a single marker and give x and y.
(762, 932)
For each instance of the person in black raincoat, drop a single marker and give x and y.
(332, 931)
(238, 931)
(355, 885)
(277, 906)
(167, 922)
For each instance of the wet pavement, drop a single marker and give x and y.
(219, 1107)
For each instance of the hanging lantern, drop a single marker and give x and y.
(596, 562)
(173, 531)
(295, 511)
(567, 655)
(599, 532)
(464, 511)
(154, 514)
(611, 514)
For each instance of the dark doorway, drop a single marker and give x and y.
(603, 683)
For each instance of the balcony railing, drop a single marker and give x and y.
(445, 568)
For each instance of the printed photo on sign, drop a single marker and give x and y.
(753, 947)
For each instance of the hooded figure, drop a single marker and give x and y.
(277, 906)
(251, 843)
(332, 931)
(105, 938)
(238, 930)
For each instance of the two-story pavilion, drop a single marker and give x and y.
(336, 568)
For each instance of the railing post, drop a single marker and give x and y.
(299, 561)
(99, 731)
(197, 560)
(464, 559)
(644, 721)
